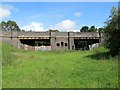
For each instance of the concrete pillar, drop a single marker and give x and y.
(14, 40)
(71, 41)
(102, 38)
(53, 40)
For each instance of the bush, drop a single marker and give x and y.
(112, 31)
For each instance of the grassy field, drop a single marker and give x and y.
(58, 69)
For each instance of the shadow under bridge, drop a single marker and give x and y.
(36, 42)
(85, 43)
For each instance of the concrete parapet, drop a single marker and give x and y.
(86, 34)
(33, 34)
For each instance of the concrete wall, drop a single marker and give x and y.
(86, 34)
(61, 43)
(42, 48)
(6, 33)
(92, 46)
(59, 40)
(33, 34)
(6, 38)
(24, 34)
(14, 41)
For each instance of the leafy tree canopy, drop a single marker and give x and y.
(9, 26)
(87, 29)
(92, 29)
(84, 29)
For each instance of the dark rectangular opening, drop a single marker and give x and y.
(83, 44)
(36, 42)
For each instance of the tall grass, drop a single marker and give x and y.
(58, 69)
(7, 56)
(0, 64)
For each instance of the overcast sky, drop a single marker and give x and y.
(64, 16)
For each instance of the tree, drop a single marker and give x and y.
(92, 29)
(9, 26)
(3, 25)
(23, 30)
(50, 30)
(101, 29)
(87, 29)
(84, 29)
(112, 31)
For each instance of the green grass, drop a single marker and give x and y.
(0, 65)
(58, 69)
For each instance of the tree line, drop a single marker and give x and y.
(12, 26)
(90, 29)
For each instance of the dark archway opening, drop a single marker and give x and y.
(83, 44)
(36, 42)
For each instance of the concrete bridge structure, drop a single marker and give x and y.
(56, 40)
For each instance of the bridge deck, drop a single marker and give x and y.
(48, 37)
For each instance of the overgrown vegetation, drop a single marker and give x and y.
(61, 69)
(7, 56)
(112, 31)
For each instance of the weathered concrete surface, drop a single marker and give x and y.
(43, 48)
(93, 46)
(86, 34)
(58, 40)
